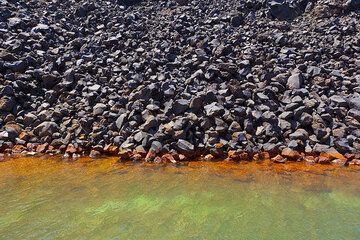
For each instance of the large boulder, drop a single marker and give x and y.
(46, 129)
(286, 10)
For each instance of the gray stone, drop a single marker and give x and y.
(179, 106)
(214, 109)
(299, 134)
(46, 129)
(151, 122)
(295, 81)
(99, 109)
(120, 120)
(95, 88)
(354, 102)
(338, 101)
(185, 147)
(156, 146)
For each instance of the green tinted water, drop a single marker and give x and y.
(51, 199)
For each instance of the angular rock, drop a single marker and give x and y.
(46, 129)
(214, 109)
(295, 81)
(185, 147)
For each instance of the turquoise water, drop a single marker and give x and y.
(52, 199)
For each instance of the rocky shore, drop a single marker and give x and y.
(174, 80)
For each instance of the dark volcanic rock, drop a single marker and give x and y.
(190, 76)
(46, 129)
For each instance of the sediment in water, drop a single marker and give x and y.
(189, 78)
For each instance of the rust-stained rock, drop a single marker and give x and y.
(13, 126)
(150, 156)
(140, 150)
(136, 157)
(290, 154)
(261, 156)
(157, 159)
(279, 159)
(180, 157)
(24, 136)
(111, 149)
(209, 157)
(125, 155)
(168, 158)
(324, 160)
(355, 162)
(311, 159)
(18, 149)
(339, 161)
(244, 156)
(219, 145)
(71, 149)
(95, 154)
(62, 148)
(41, 148)
(332, 153)
(233, 155)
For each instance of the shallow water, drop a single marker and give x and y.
(85, 199)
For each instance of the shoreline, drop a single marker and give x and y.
(201, 155)
(193, 79)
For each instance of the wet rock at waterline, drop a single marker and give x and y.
(185, 77)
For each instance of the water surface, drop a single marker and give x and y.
(52, 199)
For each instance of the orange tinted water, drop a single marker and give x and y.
(44, 198)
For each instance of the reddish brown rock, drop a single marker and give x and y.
(233, 155)
(311, 159)
(42, 148)
(339, 162)
(18, 149)
(244, 156)
(261, 156)
(125, 155)
(355, 162)
(157, 160)
(150, 156)
(180, 157)
(140, 150)
(111, 149)
(168, 158)
(209, 157)
(71, 149)
(324, 160)
(279, 159)
(136, 157)
(290, 154)
(332, 154)
(62, 148)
